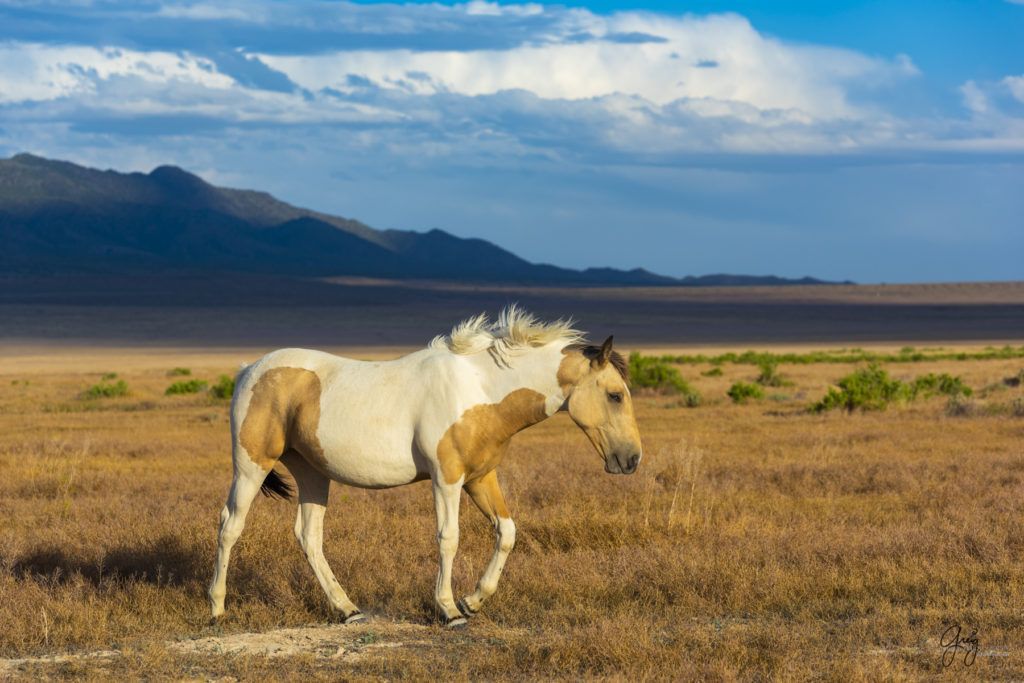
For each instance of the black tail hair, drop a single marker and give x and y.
(276, 487)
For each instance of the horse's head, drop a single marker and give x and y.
(596, 381)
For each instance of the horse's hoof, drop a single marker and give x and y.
(213, 621)
(354, 618)
(456, 623)
(464, 607)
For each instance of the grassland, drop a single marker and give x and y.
(756, 541)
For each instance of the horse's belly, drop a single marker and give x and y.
(378, 464)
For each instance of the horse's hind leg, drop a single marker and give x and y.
(309, 530)
(244, 486)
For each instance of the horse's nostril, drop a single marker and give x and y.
(634, 461)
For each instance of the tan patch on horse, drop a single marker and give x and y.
(284, 413)
(486, 493)
(475, 444)
(571, 369)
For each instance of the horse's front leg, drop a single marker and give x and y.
(486, 493)
(446, 504)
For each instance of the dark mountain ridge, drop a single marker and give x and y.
(57, 218)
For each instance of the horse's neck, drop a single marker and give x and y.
(532, 370)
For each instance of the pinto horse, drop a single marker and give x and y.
(444, 413)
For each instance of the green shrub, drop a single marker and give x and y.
(993, 388)
(189, 386)
(931, 384)
(713, 372)
(770, 377)
(869, 388)
(107, 390)
(741, 391)
(179, 371)
(657, 374)
(109, 375)
(692, 399)
(224, 388)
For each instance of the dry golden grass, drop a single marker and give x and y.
(756, 541)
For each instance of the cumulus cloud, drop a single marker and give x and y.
(479, 81)
(35, 72)
(669, 63)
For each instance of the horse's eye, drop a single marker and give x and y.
(615, 397)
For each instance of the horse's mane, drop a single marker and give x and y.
(514, 329)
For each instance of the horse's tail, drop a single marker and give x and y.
(242, 367)
(276, 487)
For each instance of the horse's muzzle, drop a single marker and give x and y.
(622, 464)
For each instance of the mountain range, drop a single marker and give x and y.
(58, 218)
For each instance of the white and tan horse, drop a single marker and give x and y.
(445, 413)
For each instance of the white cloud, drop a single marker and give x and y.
(203, 11)
(551, 83)
(1015, 84)
(749, 68)
(116, 84)
(493, 9)
(34, 72)
(974, 98)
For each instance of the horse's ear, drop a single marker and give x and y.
(606, 351)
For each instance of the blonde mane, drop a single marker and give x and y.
(514, 329)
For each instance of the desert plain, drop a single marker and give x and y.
(758, 540)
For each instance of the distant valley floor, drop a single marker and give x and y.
(203, 310)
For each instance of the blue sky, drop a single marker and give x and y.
(873, 141)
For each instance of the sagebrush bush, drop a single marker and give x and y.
(179, 371)
(960, 406)
(108, 390)
(657, 374)
(224, 388)
(691, 399)
(869, 388)
(190, 386)
(944, 384)
(770, 376)
(741, 391)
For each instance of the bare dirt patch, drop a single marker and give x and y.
(318, 644)
(336, 641)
